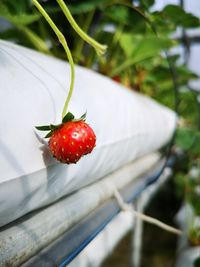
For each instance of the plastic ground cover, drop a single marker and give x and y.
(33, 90)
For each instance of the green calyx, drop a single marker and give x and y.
(67, 118)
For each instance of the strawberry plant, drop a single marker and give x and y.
(73, 138)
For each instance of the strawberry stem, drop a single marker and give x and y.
(63, 41)
(100, 49)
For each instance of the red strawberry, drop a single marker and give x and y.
(116, 78)
(70, 140)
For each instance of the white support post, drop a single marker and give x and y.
(137, 232)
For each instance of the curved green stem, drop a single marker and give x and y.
(72, 77)
(66, 48)
(101, 49)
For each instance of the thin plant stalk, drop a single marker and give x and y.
(63, 41)
(100, 49)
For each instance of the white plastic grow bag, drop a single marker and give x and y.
(33, 90)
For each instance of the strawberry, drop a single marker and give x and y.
(70, 140)
(116, 78)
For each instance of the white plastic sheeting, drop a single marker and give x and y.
(33, 91)
(27, 237)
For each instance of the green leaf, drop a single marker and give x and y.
(177, 15)
(138, 48)
(126, 16)
(54, 127)
(19, 6)
(18, 18)
(118, 14)
(48, 135)
(142, 46)
(82, 118)
(186, 138)
(146, 3)
(68, 117)
(43, 128)
(86, 6)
